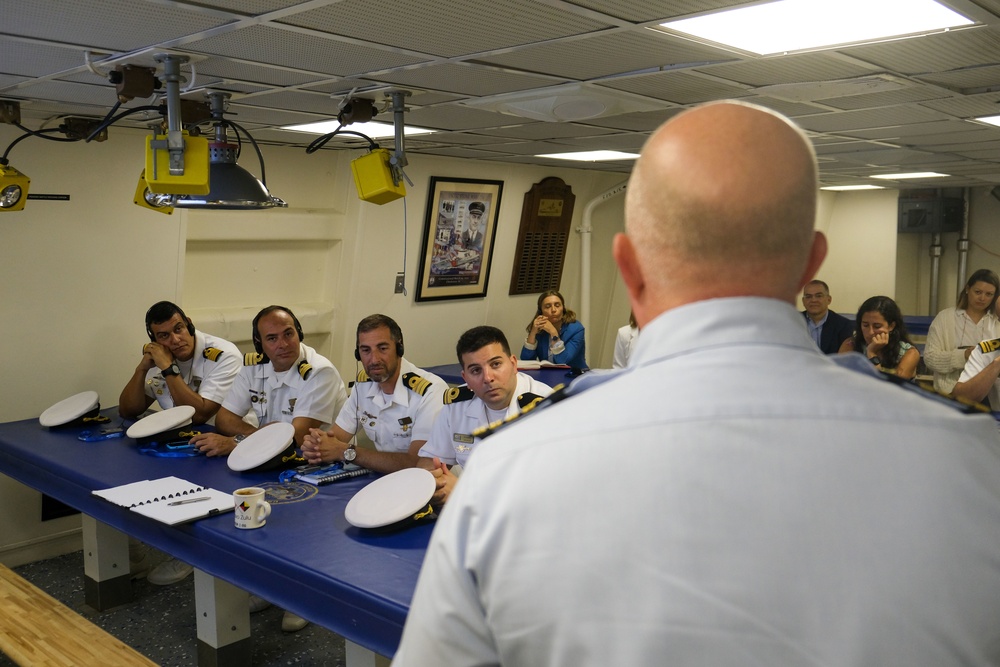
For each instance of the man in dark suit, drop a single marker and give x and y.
(826, 327)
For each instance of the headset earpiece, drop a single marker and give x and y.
(357, 354)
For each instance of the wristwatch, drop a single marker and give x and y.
(237, 439)
(350, 454)
(172, 369)
(875, 360)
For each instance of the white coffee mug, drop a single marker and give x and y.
(251, 508)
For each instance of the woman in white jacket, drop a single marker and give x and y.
(624, 342)
(956, 331)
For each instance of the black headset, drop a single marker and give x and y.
(161, 311)
(381, 321)
(267, 311)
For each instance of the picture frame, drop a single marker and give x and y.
(460, 228)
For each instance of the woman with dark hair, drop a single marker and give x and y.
(955, 332)
(880, 335)
(554, 333)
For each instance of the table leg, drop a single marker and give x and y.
(223, 612)
(106, 581)
(358, 656)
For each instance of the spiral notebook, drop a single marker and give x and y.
(170, 500)
(330, 473)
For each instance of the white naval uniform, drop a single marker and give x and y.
(977, 362)
(452, 440)
(209, 375)
(732, 498)
(393, 422)
(311, 388)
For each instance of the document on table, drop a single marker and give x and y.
(170, 500)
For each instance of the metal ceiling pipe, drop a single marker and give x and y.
(963, 243)
(585, 231)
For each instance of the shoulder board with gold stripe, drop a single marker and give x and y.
(458, 394)
(527, 400)
(305, 368)
(558, 394)
(212, 353)
(988, 346)
(927, 390)
(363, 377)
(416, 384)
(253, 358)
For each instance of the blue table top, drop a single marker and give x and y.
(307, 559)
(452, 373)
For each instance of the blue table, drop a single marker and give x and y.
(307, 559)
(452, 373)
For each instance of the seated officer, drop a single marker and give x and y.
(393, 400)
(980, 379)
(286, 381)
(179, 366)
(493, 391)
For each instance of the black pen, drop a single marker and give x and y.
(189, 500)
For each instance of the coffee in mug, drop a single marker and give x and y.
(251, 508)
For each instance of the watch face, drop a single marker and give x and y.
(350, 453)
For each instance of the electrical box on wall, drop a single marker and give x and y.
(930, 215)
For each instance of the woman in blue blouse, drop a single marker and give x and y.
(554, 334)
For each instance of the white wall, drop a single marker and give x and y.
(861, 231)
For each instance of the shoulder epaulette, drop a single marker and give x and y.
(527, 400)
(458, 394)
(305, 368)
(363, 377)
(253, 358)
(212, 353)
(988, 346)
(416, 383)
(558, 393)
(928, 391)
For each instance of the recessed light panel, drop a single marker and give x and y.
(848, 188)
(592, 156)
(371, 129)
(799, 25)
(915, 174)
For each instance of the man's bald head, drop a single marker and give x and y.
(722, 202)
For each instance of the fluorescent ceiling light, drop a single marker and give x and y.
(795, 25)
(992, 120)
(845, 188)
(592, 156)
(915, 174)
(372, 129)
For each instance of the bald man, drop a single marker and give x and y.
(734, 497)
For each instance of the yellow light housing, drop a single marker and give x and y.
(13, 188)
(194, 180)
(151, 200)
(373, 178)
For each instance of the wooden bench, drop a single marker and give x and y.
(37, 629)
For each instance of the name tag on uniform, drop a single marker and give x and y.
(462, 437)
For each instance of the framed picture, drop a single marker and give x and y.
(459, 230)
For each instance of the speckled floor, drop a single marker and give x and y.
(160, 621)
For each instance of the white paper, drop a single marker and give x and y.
(153, 498)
